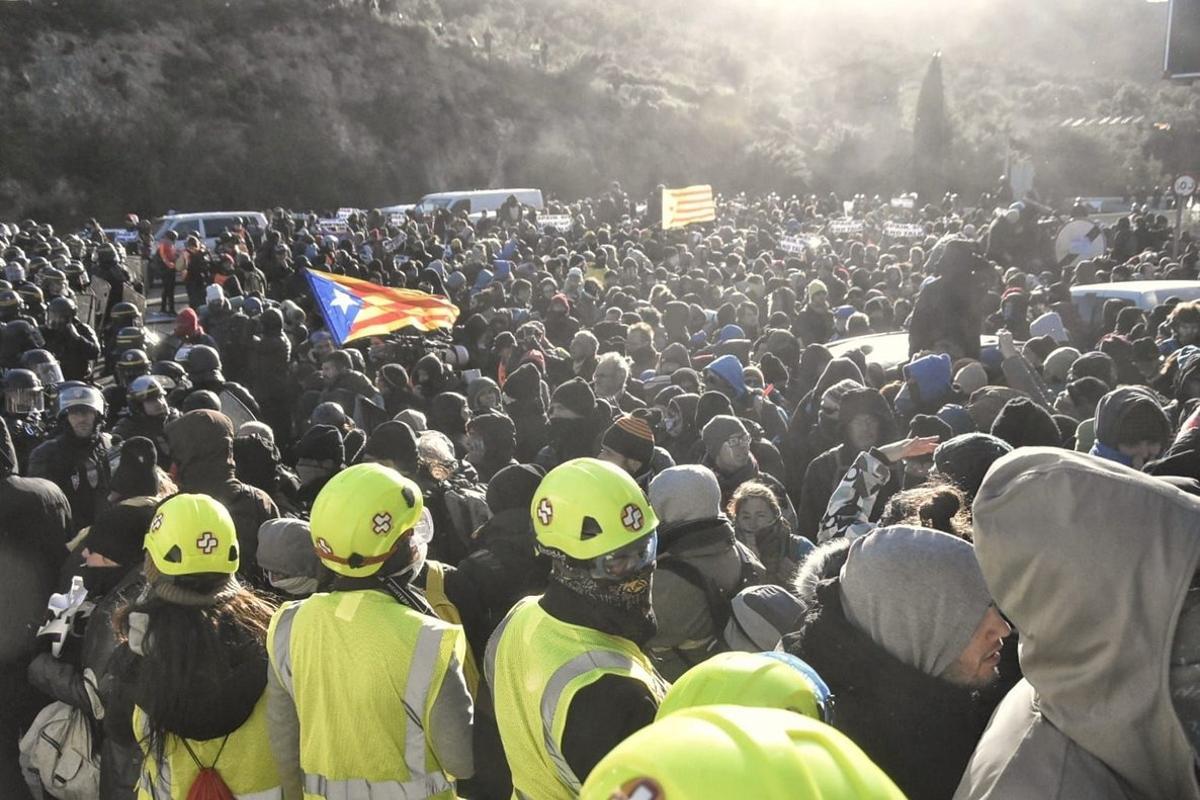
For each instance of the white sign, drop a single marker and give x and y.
(334, 227)
(397, 218)
(395, 243)
(792, 244)
(1185, 185)
(345, 213)
(559, 222)
(903, 230)
(903, 202)
(844, 226)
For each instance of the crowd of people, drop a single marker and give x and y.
(630, 530)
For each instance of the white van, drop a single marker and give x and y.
(1089, 298)
(209, 225)
(480, 200)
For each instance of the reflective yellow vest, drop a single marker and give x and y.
(355, 663)
(435, 593)
(535, 664)
(245, 764)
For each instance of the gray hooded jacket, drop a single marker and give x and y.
(1092, 562)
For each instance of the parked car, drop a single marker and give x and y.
(889, 350)
(208, 225)
(1089, 298)
(479, 200)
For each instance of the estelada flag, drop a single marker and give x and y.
(354, 308)
(682, 207)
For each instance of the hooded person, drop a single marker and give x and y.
(928, 385)
(864, 421)
(900, 624)
(1131, 427)
(948, 314)
(393, 444)
(201, 444)
(724, 375)
(287, 557)
(394, 384)
(1093, 670)
(524, 404)
(504, 566)
(483, 396)
(491, 441)
(812, 428)
(109, 560)
(320, 454)
(679, 426)
(699, 560)
(449, 413)
(1057, 366)
(34, 529)
(572, 425)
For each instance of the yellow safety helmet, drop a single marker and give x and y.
(719, 752)
(192, 534)
(588, 508)
(359, 517)
(764, 680)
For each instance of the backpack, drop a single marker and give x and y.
(467, 508)
(208, 785)
(719, 602)
(58, 755)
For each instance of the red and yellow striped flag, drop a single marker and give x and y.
(355, 308)
(681, 207)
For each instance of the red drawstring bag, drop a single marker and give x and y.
(209, 785)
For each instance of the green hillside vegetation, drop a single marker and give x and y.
(145, 105)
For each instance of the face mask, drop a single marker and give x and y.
(624, 606)
(672, 425)
(296, 587)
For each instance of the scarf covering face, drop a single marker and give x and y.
(622, 607)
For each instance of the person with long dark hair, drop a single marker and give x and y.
(198, 684)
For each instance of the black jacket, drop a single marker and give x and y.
(80, 467)
(919, 729)
(35, 524)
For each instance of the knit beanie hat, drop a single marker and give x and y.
(285, 547)
(814, 287)
(1023, 423)
(964, 460)
(773, 370)
(986, 403)
(321, 443)
(929, 425)
(1092, 364)
(1038, 348)
(684, 493)
(137, 473)
(393, 441)
(630, 437)
(576, 396)
(917, 593)
(719, 430)
(119, 532)
(513, 487)
(394, 375)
